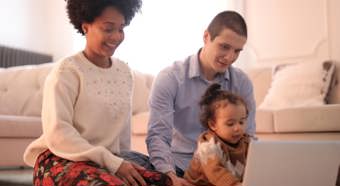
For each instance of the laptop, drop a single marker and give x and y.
(292, 163)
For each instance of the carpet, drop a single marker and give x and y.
(16, 176)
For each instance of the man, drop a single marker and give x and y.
(174, 111)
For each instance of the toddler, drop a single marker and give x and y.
(221, 152)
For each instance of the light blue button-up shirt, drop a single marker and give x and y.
(174, 124)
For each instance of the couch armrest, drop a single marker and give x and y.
(324, 118)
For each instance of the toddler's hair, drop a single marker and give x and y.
(211, 99)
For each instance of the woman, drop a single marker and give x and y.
(87, 106)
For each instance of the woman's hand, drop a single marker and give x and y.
(238, 184)
(128, 173)
(177, 181)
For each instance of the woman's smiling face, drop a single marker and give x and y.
(105, 33)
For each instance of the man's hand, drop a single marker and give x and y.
(128, 173)
(177, 181)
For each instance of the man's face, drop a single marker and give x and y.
(221, 52)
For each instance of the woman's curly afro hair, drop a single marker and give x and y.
(81, 11)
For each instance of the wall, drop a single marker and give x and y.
(165, 35)
(23, 24)
(37, 25)
(52, 33)
(279, 31)
(334, 29)
(290, 31)
(61, 31)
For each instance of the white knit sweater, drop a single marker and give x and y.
(86, 112)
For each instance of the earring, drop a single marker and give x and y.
(84, 29)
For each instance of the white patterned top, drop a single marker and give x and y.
(86, 112)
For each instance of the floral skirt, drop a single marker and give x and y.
(51, 170)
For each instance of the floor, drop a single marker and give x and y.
(23, 176)
(16, 176)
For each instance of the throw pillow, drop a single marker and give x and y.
(299, 84)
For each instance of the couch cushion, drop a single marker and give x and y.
(261, 78)
(140, 123)
(21, 89)
(264, 121)
(20, 126)
(324, 118)
(305, 136)
(141, 90)
(300, 84)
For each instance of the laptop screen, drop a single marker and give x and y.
(292, 163)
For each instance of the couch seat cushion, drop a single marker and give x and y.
(324, 118)
(264, 121)
(20, 126)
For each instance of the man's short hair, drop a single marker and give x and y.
(227, 19)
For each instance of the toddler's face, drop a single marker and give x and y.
(230, 122)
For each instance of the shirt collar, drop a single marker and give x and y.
(195, 68)
(194, 65)
(227, 73)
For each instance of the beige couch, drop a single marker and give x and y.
(20, 104)
(301, 123)
(20, 107)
